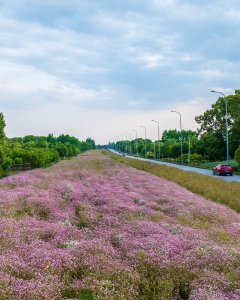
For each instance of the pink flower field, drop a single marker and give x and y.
(92, 228)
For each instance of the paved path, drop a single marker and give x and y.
(235, 178)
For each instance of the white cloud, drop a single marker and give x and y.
(233, 15)
(20, 80)
(204, 74)
(94, 68)
(150, 61)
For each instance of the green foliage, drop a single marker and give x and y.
(160, 283)
(210, 164)
(2, 155)
(237, 155)
(80, 217)
(150, 154)
(207, 143)
(2, 126)
(212, 129)
(18, 160)
(39, 151)
(176, 135)
(84, 294)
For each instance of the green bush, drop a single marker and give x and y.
(18, 160)
(150, 154)
(8, 163)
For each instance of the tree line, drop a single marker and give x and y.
(39, 151)
(208, 143)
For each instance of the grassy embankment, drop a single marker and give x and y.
(226, 193)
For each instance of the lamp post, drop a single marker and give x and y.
(136, 140)
(159, 149)
(180, 132)
(226, 116)
(145, 146)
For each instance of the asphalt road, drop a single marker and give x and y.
(235, 178)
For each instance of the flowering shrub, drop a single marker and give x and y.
(92, 228)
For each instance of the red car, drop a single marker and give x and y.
(223, 170)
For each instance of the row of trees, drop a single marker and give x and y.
(39, 151)
(208, 143)
(168, 147)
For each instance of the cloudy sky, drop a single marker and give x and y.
(100, 68)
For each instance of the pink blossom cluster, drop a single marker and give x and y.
(92, 228)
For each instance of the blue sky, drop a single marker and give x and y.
(100, 68)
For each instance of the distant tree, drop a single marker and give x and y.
(2, 127)
(176, 135)
(29, 138)
(51, 139)
(170, 135)
(91, 143)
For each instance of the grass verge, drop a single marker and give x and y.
(227, 193)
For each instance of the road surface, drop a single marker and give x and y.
(235, 178)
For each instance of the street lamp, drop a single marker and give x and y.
(180, 132)
(226, 113)
(136, 140)
(145, 146)
(159, 149)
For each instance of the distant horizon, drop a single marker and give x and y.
(99, 69)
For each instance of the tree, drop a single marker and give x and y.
(91, 143)
(170, 135)
(2, 126)
(174, 135)
(212, 129)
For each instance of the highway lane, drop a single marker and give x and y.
(234, 178)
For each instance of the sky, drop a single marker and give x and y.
(101, 68)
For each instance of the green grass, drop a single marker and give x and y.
(227, 193)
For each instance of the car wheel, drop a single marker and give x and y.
(231, 174)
